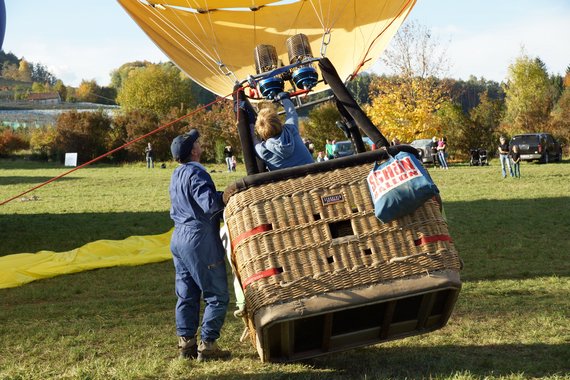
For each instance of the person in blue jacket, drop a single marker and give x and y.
(197, 252)
(281, 146)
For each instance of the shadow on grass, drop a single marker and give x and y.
(534, 360)
(511, 239)
(63, 232)
(490, 361)
(16, 180)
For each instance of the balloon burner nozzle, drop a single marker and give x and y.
(266, 60)
(305, 75)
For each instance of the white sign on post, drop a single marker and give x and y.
(71, 159)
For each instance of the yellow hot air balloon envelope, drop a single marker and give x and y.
(213, 42)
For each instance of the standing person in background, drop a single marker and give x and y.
(234, 163)
(149, 155)
(516, 158)
(329, 150)
(228, 153)
(197, 252)
(433, 148)
(310, 146)
(504, 157)
(441, 152)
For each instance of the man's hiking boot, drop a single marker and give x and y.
(211, 351)
(187, 347)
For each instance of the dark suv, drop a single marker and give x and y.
(541, 147)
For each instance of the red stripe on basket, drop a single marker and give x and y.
(259, 229)
(260, 275)
(431, 239)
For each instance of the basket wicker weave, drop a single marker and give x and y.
(318, 233)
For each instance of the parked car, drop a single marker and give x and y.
(541, 147)
(343, 148)
(424, 149)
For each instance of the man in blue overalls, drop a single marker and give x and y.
(197, 252)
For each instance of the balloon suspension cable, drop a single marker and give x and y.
(114, 150)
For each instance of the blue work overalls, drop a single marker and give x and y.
(197, 252)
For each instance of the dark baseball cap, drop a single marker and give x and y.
(182, 145)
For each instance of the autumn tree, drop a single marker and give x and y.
(87, 91)
(24, 71)
(10, 141)
(42, 141)
(130, 125)
(83, 132)
(403, 105)
(528, 96)
(155, 87)
(218, 128)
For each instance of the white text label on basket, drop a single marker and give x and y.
(332, 199)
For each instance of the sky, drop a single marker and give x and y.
(88, 39)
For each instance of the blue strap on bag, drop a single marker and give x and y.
(399, 186)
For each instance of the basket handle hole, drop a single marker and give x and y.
(341, 228)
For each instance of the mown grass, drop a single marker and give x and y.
(511, 320)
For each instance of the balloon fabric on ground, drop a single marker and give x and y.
(22, 268)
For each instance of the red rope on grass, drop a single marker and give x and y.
(113, 151)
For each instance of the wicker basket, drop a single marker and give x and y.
(307, 238)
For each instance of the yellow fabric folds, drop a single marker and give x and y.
(19, 269)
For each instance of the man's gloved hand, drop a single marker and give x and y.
(282, 95)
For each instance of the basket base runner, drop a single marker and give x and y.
(346, 319)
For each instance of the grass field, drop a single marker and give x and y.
(512, 319)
